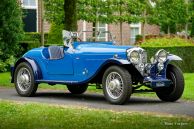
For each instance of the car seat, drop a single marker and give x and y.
(55, 52)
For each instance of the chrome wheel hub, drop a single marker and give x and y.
(114, 85)
(23, 79)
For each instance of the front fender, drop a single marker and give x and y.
(172, 57)
(118, 61)
(35, 67)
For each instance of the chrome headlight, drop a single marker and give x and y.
(160, 66)
(161, 56)
(133, 56)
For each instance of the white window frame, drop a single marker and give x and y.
(84, 27)
(135, 25)
(32, 7)
(106, 29)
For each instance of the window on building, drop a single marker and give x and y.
(29, 3)
(102, 28)
(30, 8)
(135, 29)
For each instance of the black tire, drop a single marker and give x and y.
(121, 75)
(77, 89)
(175, 90)
(32, 88)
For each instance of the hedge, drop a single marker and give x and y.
(33, 37)
(31, 40)
(185, 52)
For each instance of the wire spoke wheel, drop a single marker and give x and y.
(114, 84)
(23, 79)
(117, 85)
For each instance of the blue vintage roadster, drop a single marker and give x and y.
(118, 70)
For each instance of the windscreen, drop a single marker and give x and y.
(96, 36)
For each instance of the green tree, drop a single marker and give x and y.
(54, 12)
(147, 14)
(170, 12)
(111, 11)
(104, 11)
(61, 12)
(11, 30)
(128, 11)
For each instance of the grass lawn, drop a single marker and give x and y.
(16, 115)
(188, 92)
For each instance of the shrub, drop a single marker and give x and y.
(2, 64)
(31, 40)
(31, 37)
(138, 38)
(167, 42)
(55, 34)
(11, 31)
(5, 65)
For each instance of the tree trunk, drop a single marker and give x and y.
(143, 32)
(96, 31)
(96, 26)
(121, 32)
(121, 25)
(70, 10)
(42, 22)
(186, 31)
(186, 25)
(192, 19)
(192, 27)
(169, 30)
(143, 26)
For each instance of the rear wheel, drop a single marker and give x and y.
(77, 89)
(175, 90)
(117, 85)
(24, 80)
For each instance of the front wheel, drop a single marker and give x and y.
(117, 85)
(175, 90)
(24, 80)
(77, 89)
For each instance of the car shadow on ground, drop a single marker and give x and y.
(93, 97)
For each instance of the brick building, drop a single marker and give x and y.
(32, 23)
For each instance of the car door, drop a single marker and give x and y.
(62, 66)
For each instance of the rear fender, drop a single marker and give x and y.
(35, 67)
